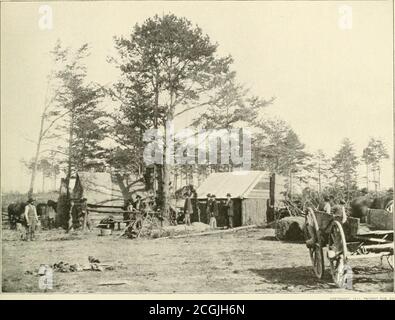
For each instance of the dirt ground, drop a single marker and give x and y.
(248, 261)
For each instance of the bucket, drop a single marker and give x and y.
(105, 232)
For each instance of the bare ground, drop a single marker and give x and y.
(249, 261)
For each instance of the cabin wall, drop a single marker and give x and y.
(254, 211)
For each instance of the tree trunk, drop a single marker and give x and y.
(165, 177)
(175, 182)
(154, 181)
(375, 179)
(70, 153)
(319, 178)
(367, 177)
(122, 186)
(378, 177)
(43, 183)
(34, 171)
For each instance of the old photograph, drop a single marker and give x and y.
(197, 147)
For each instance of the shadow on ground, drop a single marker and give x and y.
(295, 277)
(273, 238)
(269, 238)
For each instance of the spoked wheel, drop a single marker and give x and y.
(314, 245)
(337, 254)
(390, 260)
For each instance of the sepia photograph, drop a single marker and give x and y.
(197, 147)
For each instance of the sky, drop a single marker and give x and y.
(329, 82)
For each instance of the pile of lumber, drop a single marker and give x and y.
(293, 209)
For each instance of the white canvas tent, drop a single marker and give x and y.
(98, 188)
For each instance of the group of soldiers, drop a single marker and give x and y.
(134, 211)
(212, 210)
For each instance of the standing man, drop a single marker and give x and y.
(208, 208)
(229, 209)
(127, 216)
(339, 211)
(188, 210)
(138, 212)
(85, 214)
(51, 215)
(332, 201)
(327, 205)
(214, 212)
(31, 219)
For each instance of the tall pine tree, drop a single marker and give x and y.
(344, 167)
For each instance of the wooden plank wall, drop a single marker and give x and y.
(254, 211)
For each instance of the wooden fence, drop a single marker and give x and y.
(100, 212)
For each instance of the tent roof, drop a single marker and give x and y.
(237, 183)
(97, 187)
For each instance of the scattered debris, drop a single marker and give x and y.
(66, 267)
(107, 221)
(94, 265)
(93, 260)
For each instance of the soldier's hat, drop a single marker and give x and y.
(228, 195)
(31, 200)
(208, 195)
(342, 201)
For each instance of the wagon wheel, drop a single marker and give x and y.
(337, 254)
(390, 260)
(316, 253)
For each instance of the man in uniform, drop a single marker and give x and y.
(327, 206)
(127, 216)
(31, 219)
(208, 208)
(85, 215)
(214, 212)
(138, 212)
(339, 211)
(188, 210)
(229, 209)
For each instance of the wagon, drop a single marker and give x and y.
(347, 241)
